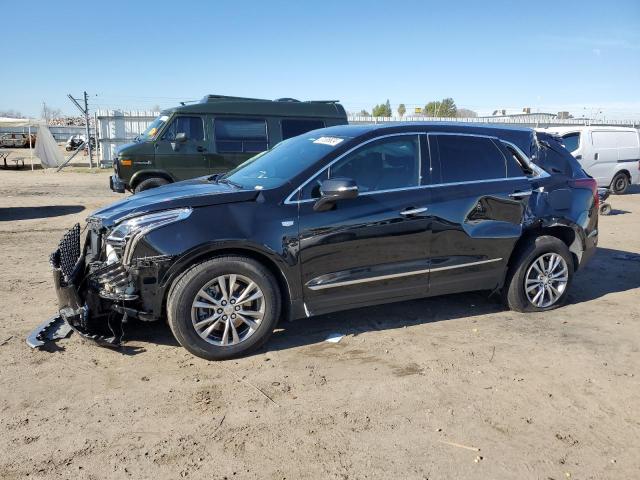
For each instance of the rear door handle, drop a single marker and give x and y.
(595, 157)
(524, 193)
(413, 211)
(201, 149)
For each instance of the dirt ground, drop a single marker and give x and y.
(411, 391)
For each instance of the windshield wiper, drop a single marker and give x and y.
(229, 182)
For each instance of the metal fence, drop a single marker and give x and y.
(60, 133)
(116, 127)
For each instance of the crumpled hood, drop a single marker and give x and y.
(197, 192)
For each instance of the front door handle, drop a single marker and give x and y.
(522, 194)
(201, 149)
(413, 211)
(595, 157)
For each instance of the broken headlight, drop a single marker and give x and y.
(127, 233)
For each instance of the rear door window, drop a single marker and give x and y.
(293, 127)
(192, 127)
(240, 135)
(571, 141)
(465, 158)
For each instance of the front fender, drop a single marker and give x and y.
(156, 172)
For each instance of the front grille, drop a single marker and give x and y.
(66, 256)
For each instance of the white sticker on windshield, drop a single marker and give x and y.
(331, 141)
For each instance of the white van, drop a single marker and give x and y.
(611, 155)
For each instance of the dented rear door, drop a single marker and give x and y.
(476, 211)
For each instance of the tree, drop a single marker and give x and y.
(364, 113)
(49, 113)
(10, 114)
(402, 110)
(442, 108)
(466, 113)
(382, 110)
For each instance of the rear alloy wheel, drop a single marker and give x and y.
(539, 276)
(224, 307)
(546, 280)
(620, 183)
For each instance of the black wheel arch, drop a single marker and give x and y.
(570, 234)
(280, 270)
(142, 175)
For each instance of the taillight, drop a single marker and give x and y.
(592, 185)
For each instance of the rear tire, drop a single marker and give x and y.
(620, 183)
(198, 303)
(547, 279)
(149, 183)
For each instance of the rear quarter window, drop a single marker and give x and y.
(571, 141)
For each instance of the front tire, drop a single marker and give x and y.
(149, 183)
(224, 308)
(540, 276)
(620, 183)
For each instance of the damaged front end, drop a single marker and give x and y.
(103, 280)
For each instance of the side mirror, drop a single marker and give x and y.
(335, 189)
(180, 138)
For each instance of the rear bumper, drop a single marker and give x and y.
(116, 184)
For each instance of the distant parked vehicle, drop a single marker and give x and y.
(214, 135)
(611, 155)
(74, 142)
(14, 140)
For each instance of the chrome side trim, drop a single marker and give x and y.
(435, 185)
(398, 275)
(470, 264)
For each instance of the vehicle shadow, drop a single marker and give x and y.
(633, 189)
(10, 214)
(609, 271)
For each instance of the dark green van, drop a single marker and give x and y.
(214, 136)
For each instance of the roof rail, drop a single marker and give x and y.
(225, 98)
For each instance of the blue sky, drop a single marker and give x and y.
(548, 55)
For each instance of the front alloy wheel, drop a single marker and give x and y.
(224, 307)
(546, 280)
(228, 310)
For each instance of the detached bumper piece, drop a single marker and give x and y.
(52, 329)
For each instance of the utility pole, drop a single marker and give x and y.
(85, 112)
(86, 119)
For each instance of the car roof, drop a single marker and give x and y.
(284, 107)
(523, 137)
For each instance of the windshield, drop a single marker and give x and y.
(283, 162)
(153, 128)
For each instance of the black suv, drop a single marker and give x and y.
(333, 219)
